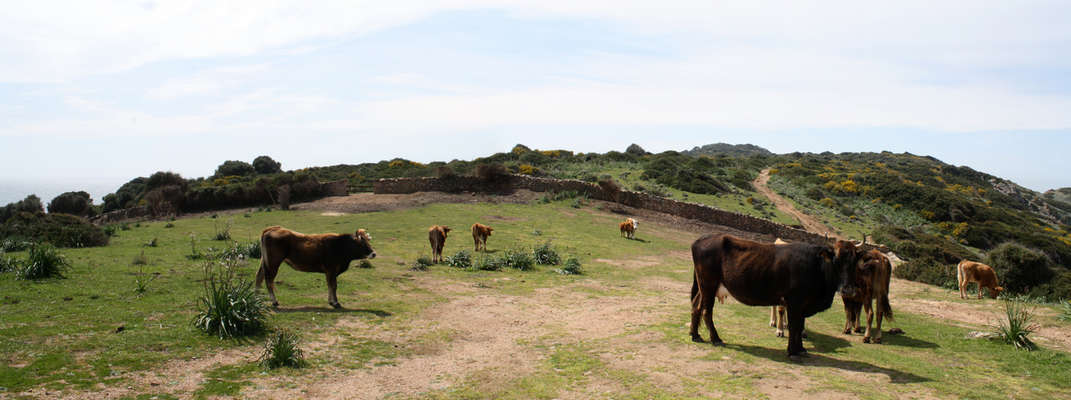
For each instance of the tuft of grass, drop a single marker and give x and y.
(1065, 310)
(223, 234)
(194, 253)
(546, 255)
(140, 259)
(518, 259)
(281, 350)
(489, 263)
(365, 264)
(43, 262)
(421, 264)
(111, 229)
(169, 225)
(571, 267)
(252, 250)
(1017, 326)
(124, 226)
(152, 243)
(461, 259)
(141, 282)
(8, 264)
(15, 245)
(229, 305)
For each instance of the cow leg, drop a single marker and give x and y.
(795, 333)
(847, 317)
(697, 312)
(708, 316)
(869, 320)
(332, 285)
(780, 321)
(773, 316)
(270, 271)
(979, 290)
(856, 314)
(881, 315)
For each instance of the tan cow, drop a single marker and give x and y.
(326, 253)
(480, 232)
(970, 271)
(628, 228)
(437, 237)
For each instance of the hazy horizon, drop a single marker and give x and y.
(95, 94)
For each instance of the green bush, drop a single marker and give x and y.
(1016, 327)
(518, 259)
(571, 267)
(1018, 268)
(9, 245)
(1065, 310)
(230, 305)
(282, 350)
(266, 165)
(141, 282)
(928, 270)
(224, 233)
(545, 255)
(61, 230)
(365, 264)
(43, 262)
(234, 168)
(74, 203)
(8, 264)
(490, 263)
(461, 259)
(421, 264)
(252, 250)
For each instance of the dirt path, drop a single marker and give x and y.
(810, 224)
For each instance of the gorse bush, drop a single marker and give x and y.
(490, 263)
(61, 230)
(229, 305)
(1016, 328)
(43, 262)
(928, 270)
(571, 267)
(282, 350)
(461, 259)
(1018, 267)
(518, 259)
(545, 255)
(421, 264)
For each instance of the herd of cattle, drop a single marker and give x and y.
(797, 280)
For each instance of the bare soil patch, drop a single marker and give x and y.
(810, 223)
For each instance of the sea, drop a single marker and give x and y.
(12, 191)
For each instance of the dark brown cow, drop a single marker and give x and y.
(872, 284)
(326, 253)
(970, 271)
(480, 232)
(804, 276)
(437, 237)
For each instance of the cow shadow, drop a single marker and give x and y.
(378, 313)
(906, 341)
(638, 240)
(819, 360)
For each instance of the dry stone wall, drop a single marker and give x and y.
(699, 212)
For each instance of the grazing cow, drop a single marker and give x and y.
(802, 276)
(970, 271)
(480, 232)
(872, 284)
(326, 253)
(437, 237)
(628, 228)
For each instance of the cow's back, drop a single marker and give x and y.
(981, 273)
(300, 250)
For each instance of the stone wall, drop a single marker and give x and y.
(122, 215)
(645, 201)
(335, 188)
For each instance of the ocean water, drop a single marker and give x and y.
(12, 191)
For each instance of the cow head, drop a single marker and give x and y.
(635, 223)
(445, 230)
(845, 257)
(359, 245)
(995, 291)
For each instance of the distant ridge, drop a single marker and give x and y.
(731, 150)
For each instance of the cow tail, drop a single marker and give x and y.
(959, 273)
(695, 287)
(883, 299)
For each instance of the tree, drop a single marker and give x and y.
(636, 150)
(266, 165)
(161, 179)
(74, 203)
(236, 168)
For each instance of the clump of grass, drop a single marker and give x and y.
(111, 229)
(125, 226)
(252, 250)
(365, 264)
(43, 262)
(1017, 326)
(194, 253)
(281, 350)
(8, 264)
(152, 243)
(140, 259)
(141, 282)
(1065, 310)
(223, 234)
(577, 202)
(489, 263)
(546, 255)
(229, 305)
(169, 225)
(421, 264)
(518, 259)
(461, 259)
(571, 267)
(10, 245)
(556, 196)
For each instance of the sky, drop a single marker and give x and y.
(93, 94)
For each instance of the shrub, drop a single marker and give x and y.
(141, 282)
(1016, 328)
(266, 165)
(8, 264)
(169, 225)
(229, 306)
(928, 270)
(461, 259)
(517, 259)
(252, 250)
(421, 264)
(1018, 267)
(493, 173)
(606, 182)
(636, 150)
(74, 203)
(61, 230)
(234, 168)
(43, 262)
(152, 243)
(490, 263)
(281, 350)
(545, 255)
(1065, 310)
(110, 230)
(577, 202)
(222, 234)
(571, 267)
(365, 264)
(556, 196)
(15, 245)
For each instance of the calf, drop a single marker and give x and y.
(872, 282)
(628, 228)
(437, 237)
(326, 253)
(970, 271)
(480, 232)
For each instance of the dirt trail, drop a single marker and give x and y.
(810, 224)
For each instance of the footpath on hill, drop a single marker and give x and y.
(810, 223)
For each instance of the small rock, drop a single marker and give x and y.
(119, 329)
(896, 331)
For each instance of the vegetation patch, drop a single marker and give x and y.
(282, 350)
(229, 306)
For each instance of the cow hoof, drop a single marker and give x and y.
(866, 339)
(275, 304)
(336, 305)
(804, 335)
(773, 324)
(717, 343)
(780, 333)
(848, 331)
(860, 330)
(697, 338)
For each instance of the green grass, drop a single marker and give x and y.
(47, 341)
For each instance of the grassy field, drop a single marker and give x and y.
(619, 330)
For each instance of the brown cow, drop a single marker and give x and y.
(872, 282)
(480, 232)
(970, 271)
(802, 276)
(437, 237)
(326, 253)
(628, 228)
